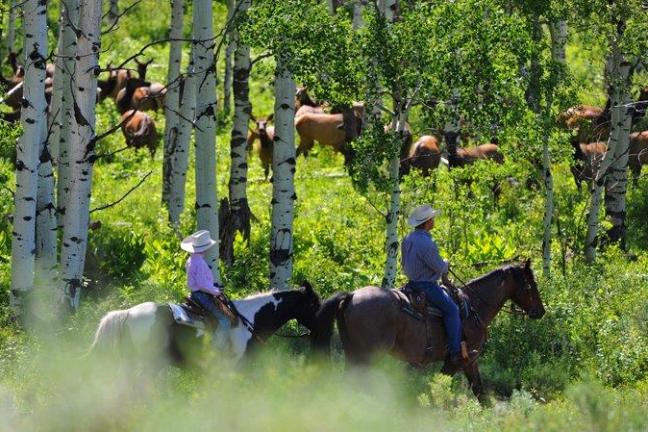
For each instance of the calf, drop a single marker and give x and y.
(139, 130)
(124, 100)
(265, 134)
(151, 97)
(424, 154)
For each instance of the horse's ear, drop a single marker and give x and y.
(270, 117)
(307, 286)
(527, 263)
(252, 118)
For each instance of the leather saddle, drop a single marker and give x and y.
(414, 303)
(192, 314)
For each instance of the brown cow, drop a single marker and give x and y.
(304, 104)
(638, 154)
(150, 98)
(117, 81)
(265, 134)
(424, 154)
(591, 123)
(587, 160)
(124, 100)
(139, 130)
(468, 155)
(335, 130)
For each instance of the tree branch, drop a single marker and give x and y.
(124, 196)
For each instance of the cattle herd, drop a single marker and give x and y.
(335, 127)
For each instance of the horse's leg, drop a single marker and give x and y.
(474, 379)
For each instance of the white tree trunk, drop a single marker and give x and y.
(388, 9)
(237, 217)
(331, 6)
(231, 47)
(616, 180)
(64, 82)
(358, 21)
(559, 35)
(549, 207)
(451, 128)
(46, 227)
(206, 108)
(172, 98)
(283, 173)
(75, 230)
(32, 117)
(391, 240)
(11, 26)
(113, 12)
(179, 151)
(617, 73)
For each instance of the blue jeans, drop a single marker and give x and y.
(206, 300)
(438, 297)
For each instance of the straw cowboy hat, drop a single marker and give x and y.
(198, 242)
(421, 214)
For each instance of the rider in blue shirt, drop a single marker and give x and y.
(423, 266)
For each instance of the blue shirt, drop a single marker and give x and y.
(421, 260)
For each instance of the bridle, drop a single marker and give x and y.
(513, 310)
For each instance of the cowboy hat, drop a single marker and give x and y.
(198, 242)
(421, 214)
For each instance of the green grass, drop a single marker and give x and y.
(584, 366)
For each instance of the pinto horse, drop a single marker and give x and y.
(371, 321)
(149, 329)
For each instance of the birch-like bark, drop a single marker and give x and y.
(206, 108)
(11, 26)
(358, 21)
(82, 151)
(388, 9)
(549, 206)
(616, 180)
(46, 227)
(391, 240)
(235, 216)
(451, 129)
(64, 79)
(172, 98)
(32, 117)
(113, 12)
(331, 6)
(179, 151)
(229, 50)
(616, 72)
(559, 35)
(283, 173)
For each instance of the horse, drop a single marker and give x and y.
(587, 160)
(638, 153)
(149, 329)
(371, 321)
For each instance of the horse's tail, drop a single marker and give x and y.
(321, 339)
(342, 327)
(108, 334)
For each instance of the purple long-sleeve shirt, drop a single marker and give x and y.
(421, 260)
(199, 275)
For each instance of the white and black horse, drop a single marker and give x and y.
(149, 329)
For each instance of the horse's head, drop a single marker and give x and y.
(309, 304)
(526, 294)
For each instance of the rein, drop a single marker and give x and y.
(246, 322)
(512, 311)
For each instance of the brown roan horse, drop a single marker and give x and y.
(371, 320)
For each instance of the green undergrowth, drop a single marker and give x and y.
(584, 366)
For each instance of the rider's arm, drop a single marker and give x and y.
(202, 279)
(433, 259)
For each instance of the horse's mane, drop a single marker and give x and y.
(487, 278)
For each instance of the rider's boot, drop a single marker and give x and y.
(454, 363)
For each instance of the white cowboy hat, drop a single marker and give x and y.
(198, 242)
(421, 214)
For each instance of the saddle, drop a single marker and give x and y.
(414, 303)
(192, 314)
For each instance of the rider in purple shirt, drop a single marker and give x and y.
(200, 281)
(423, 266)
